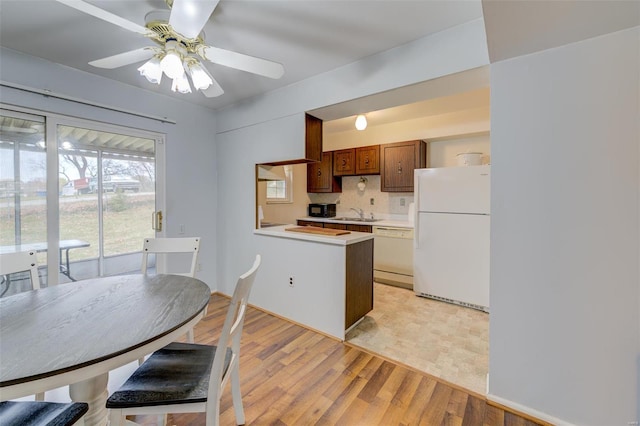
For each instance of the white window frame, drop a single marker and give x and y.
(288, 185)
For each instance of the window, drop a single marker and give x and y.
(281, 191)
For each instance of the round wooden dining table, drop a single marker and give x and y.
(74, 334)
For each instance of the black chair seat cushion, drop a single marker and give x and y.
(176, 374)
(32, 413)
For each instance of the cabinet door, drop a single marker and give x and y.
(309, 223)
(359, 228)
(399, 160)
(331, 225)
(367, 160)
(344, 162)
(320, 177)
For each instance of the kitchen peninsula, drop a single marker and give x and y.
(323, 282)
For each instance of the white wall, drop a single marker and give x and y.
(565, 327)
(445, 126)
(444, 153)
(190, 150)
(317, 298)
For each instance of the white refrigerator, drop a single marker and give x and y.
(451, 246)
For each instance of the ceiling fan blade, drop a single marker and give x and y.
(213, 91)
(125, 58)
(189, 16)
(105, 16)
(241, 61)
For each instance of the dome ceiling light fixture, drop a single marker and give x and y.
(181, 49)
(361, 122)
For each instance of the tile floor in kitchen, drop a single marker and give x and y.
(445, 340)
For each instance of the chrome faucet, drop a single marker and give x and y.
(359, 211)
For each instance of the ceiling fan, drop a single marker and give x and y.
(180, 47)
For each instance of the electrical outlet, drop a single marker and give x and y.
(182, 229)
(199, 267)
(291, 281)
(372, 201)
(402, 202)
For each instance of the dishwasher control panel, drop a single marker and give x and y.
(393, 232)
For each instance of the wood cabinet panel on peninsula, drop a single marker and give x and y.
(398, 161)
(359, 281)
(320, 176)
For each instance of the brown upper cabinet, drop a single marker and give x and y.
(368, 160)
(357, 161)
(313, 138)
(320, 176)
(398, 161)
(344, 162)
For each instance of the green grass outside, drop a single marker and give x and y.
(127, 221)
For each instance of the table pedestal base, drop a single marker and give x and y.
(94, 392)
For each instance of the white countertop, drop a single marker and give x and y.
(382, 222)
(341, 240)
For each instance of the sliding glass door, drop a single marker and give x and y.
(89, 191)
(107, 200)
(23, 177)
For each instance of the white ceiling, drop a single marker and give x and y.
(310, 37)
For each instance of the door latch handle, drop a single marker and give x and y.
(156, 221)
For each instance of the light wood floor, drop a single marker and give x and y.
(294, 376)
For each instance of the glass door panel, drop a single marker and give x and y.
(78, 207)
(109, 192)
(23, 205)
(129, 201)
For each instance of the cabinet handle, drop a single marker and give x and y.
(399, 168)
(319, 172)
(344, 161)
(366, 160)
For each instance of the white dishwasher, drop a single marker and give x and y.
(393, 256)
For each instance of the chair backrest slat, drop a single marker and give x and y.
(172, 245)
(23, 261)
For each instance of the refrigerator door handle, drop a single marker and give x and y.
(416, 222)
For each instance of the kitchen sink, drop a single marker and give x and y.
(355, 219)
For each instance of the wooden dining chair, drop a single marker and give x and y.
(186, 377)
(22, 261)
(38, 413)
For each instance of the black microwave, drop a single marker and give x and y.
(322, 210)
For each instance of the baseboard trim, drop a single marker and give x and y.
(524, 411)
(283, 318)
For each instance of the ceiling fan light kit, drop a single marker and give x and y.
(151, 70)
(200, 78)
(171, 64)
(181, 84)
(181, 43)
